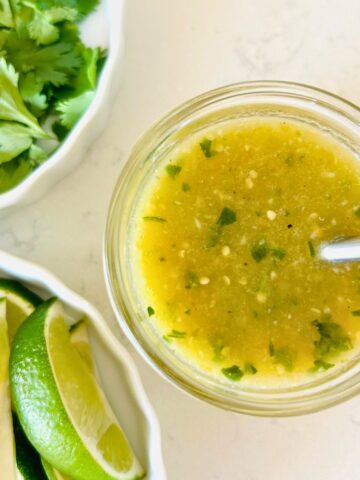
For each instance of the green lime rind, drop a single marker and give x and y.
(27, 458)
(52, 473)
(39, 404)
(12, 286)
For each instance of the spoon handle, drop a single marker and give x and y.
(343, 250)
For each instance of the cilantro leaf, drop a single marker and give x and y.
(176, 334)
(250, 369)
(12, 107)
(227, 217)
(355, 313)
(87, 6)
(87, 75)
(60, 131)
(173, 170)
(259, 252)
(12, 173)
(150, 311)
(205, 146)
(333, 339)
(311, 248)
(233, 373)
(31, 91)
(55, 64)
(6, 16)
(154, 219)
(322, 365)
(278, 253)
(357, 211)
(42, 27)
(14, 139)
(72, 110)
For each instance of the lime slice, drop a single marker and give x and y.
(7, 447)
(51, 473)
(20, 303)
(61, 407)
(27, 458)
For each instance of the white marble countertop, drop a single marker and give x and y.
(175, 50)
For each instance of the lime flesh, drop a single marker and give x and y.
(61, 407)
(21, 302)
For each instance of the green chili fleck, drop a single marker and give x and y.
(150, 311)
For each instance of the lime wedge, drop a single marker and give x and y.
(62, 409)
(51, 473)
(20, 303)
(27, 458)
(7, 447)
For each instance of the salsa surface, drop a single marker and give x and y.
(226, 240)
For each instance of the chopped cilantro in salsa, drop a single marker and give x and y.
(333, 338)
(259, 252)
(227, 217)
(250, 369)
(176, 334)
(311, 248)
(154, 219)
(205, 146)
(173, 170)
(233, 373)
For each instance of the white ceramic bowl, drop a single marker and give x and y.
(122, 383)
(103, 28)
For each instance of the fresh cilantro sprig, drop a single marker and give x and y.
(47, 75)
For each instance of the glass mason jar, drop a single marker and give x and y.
(312, 106)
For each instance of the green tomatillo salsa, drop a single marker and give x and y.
(227, 233)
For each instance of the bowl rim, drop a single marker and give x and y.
(143, 149)
(39, 178)
(31, 273)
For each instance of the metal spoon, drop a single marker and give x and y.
(341, 250)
